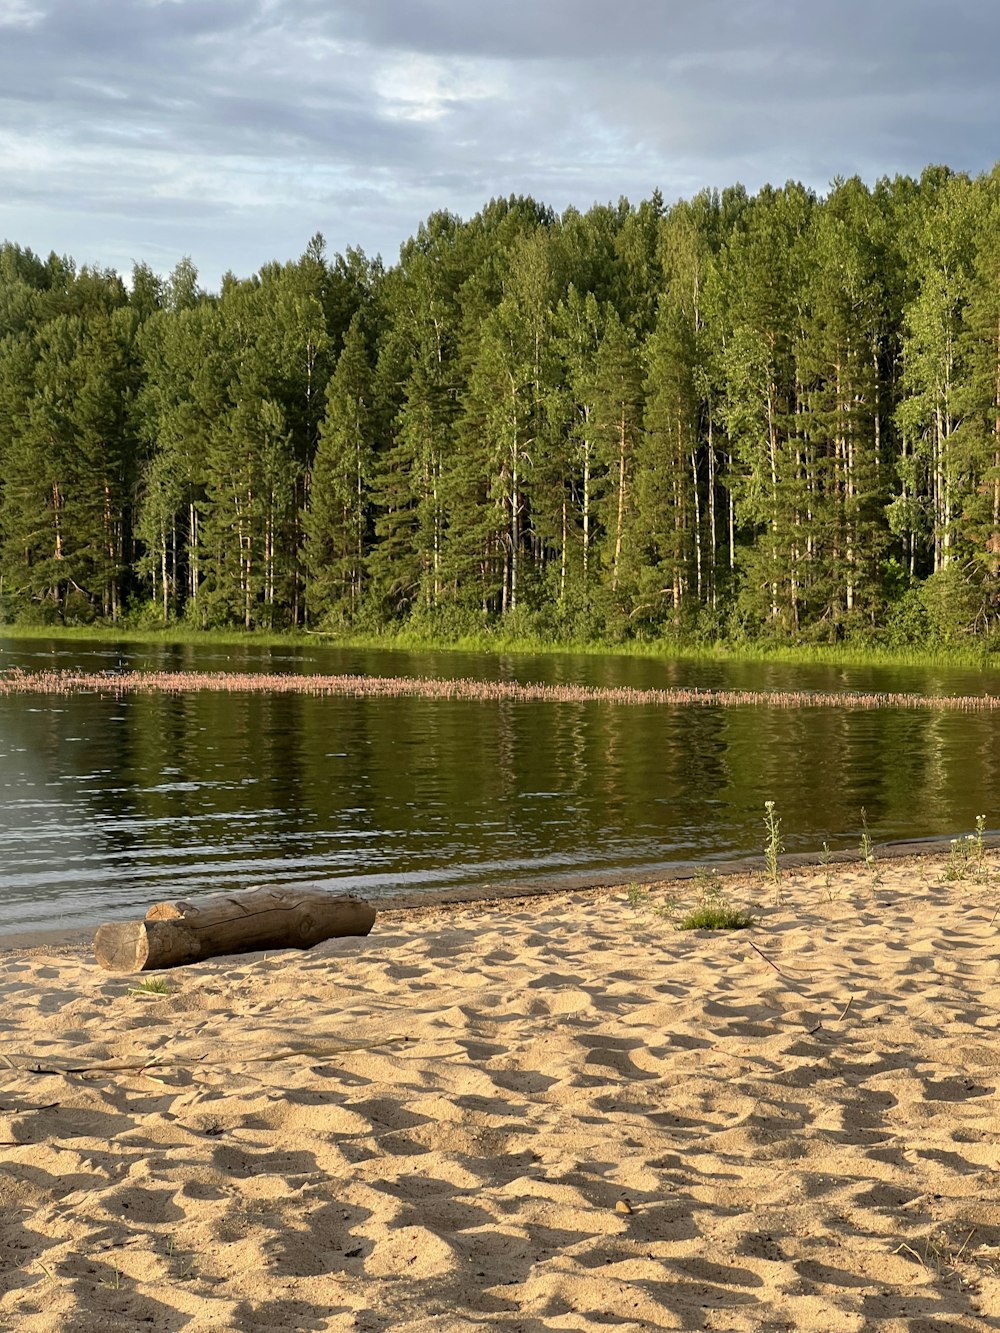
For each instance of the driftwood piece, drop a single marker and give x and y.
(224, 923)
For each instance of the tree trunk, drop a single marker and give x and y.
(620, 519)
(187, 932)
(713, 534)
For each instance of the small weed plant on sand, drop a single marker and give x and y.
(641, 900)
(707, 882)
(967, 854)
(867, 849)
(151, 986)
(825, 858)
(182, 1261)
(717, 916)
(939, 1252)
(958, 861)
(773, 846)
(715, 911)
(978, 843)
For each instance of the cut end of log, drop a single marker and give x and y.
(143, 946)
(122, 946)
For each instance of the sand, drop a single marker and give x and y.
(550, 1114)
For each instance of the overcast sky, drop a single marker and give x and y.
(232, 130)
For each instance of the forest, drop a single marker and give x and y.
(738, 418)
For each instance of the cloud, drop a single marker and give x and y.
(18, 14)
(234, 129)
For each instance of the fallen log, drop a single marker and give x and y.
(187, 932)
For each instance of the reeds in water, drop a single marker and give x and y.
(18, 681)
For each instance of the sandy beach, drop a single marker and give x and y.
(559, 1113)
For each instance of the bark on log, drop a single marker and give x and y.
(224, 923)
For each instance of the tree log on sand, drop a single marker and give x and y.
(187, 932)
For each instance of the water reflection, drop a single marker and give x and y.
(111, 804)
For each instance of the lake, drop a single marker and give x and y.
(110, 804)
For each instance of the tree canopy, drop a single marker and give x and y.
(772, 416)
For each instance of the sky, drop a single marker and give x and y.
(230, 131)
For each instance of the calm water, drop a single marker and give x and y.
(110, 804)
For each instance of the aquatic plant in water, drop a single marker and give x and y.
(18, 681)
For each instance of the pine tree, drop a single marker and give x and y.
(577, 472)
(507, 388)
(338, 521)
(930, 413)
(416, 385)
(843, 449)
(183, 395)
(665, 535)
(976, 548)
(760, 277)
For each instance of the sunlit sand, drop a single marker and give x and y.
(555, 1114)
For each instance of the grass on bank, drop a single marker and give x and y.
(499, 643)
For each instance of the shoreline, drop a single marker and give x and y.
(409, 641)
(420, 905)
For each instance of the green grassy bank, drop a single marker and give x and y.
(409, 640)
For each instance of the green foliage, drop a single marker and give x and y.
(766, 421)
(715, 911)
(716, 916)
(337, 523)
(957, 603)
